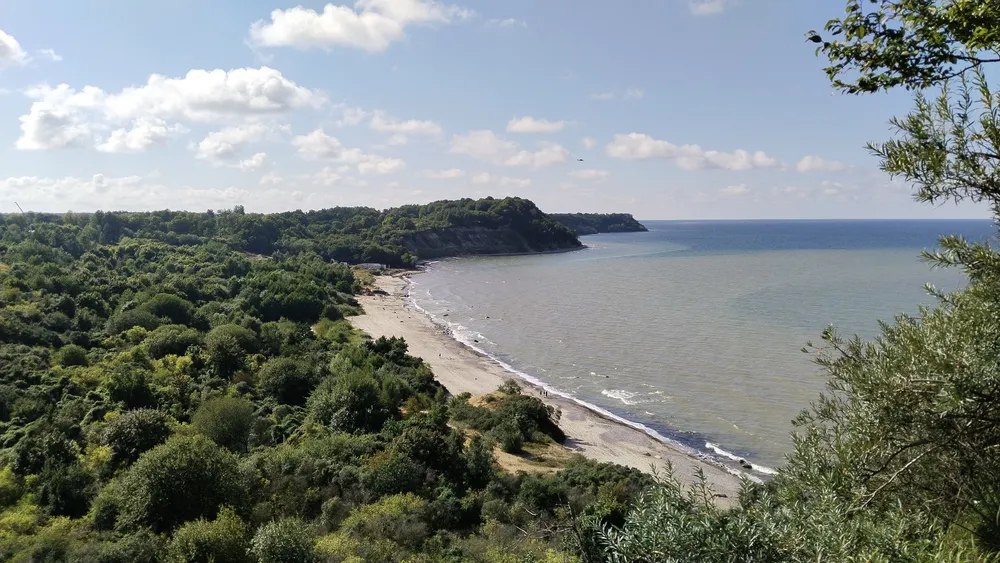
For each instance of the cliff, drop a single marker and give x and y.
(593, 223)
(464, 241)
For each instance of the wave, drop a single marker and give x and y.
(454, 330)
(621, 395)
(743, 462)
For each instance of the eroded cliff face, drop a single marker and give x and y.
(463, 241)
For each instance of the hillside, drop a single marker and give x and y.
(396, 237)
(593, 223)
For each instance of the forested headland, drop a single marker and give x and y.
(594, 223)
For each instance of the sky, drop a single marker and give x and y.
(666, 109)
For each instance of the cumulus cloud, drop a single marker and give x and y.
(352, 116)
(529, 124)
(228, 144)
(11, 53)
(637, 146)
(502, 181)
(590, 174)
(372, 25)
(255, 162)
(63, 116)
(708, 7)
(589, 142)
(737, 190)
(448, 174)
(383, 123)
(507, 23)
(483, 178)
(486, 146)
(817, 164)
(50, 55)
(142, 134)
(634, 94)
(318, 146)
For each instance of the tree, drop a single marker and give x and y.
(223, 540)
(134, 432)
(283, 541)
(227, 421)
(287, 380)
(72, 355)
(183, 479)
(227, 347)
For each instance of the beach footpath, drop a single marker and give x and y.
(461, 369)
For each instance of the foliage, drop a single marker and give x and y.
(134, 432)
(593, 223)
(227, 421)
(223, 540)
(283, 541)
(288, 380)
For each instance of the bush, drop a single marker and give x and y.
(134, 317)
(398, 518)
(227, 347)
(66, 490)
(227, 421)
(72, 355)
(134, 432)
(129, 384)
(140, 547)
(284, 541)
(171, 339)
(389, 473)
(172, 307)
(509, 437)
(351, 402)
(287, 380)
(223, 540)
(184, 479)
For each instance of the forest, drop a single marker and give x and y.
(594, 223)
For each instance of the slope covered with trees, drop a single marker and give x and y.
(185, 400)
(593, 223)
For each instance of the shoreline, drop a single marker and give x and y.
(595, 435)
(422, 263)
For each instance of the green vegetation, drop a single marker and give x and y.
(593, 223)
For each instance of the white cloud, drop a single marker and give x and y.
(817, 164)
(271, 179)
(255, 162)
(484, 178)
(637, 146)
(448, 174)
(11, 53)
(507, 181)
(352, 116)
(317, 145)
(63, 116)
(372, 25)
(485, 145)
(634, 94)
(143, 133)
(397, 140)
(529, 124)
(737, 190)
(589, 142)
(603, 96)
(50, 55)
(503, 181)
(228, 144)
(384, 124)
(590, 174)
(708, 7)
(508, 23)
(326, 177)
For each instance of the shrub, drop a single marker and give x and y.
(223, 540)
(140, 547)
(227, 421)
(133, 317)
(398, 518)
(287, 380)
(509, 437)
(71, 355)
(129, 384)
(134, 432)
(66, 490)
(227, 347)
(171, 339)
(178, 310)
(183, 479)
(391, 472)
(351, 402)
(284, 541)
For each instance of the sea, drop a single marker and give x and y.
(694, 331)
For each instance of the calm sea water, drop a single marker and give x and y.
(694, 329)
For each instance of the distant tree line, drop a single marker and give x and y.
(594, 223)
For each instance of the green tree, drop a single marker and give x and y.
(283, 541)
(227, 421)
(134, 432)
(288, 380)
(72, 355)
(228, 346)
(223, 540)
(183, 479)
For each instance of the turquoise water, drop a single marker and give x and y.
(694, 329)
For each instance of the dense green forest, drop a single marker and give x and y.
(396, 237)
(593, 223)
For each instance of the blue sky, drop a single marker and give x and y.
(678, 109)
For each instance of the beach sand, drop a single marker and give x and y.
(461, 369)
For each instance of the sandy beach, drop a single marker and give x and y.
(461, 369)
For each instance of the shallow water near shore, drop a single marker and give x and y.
(693, 329)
